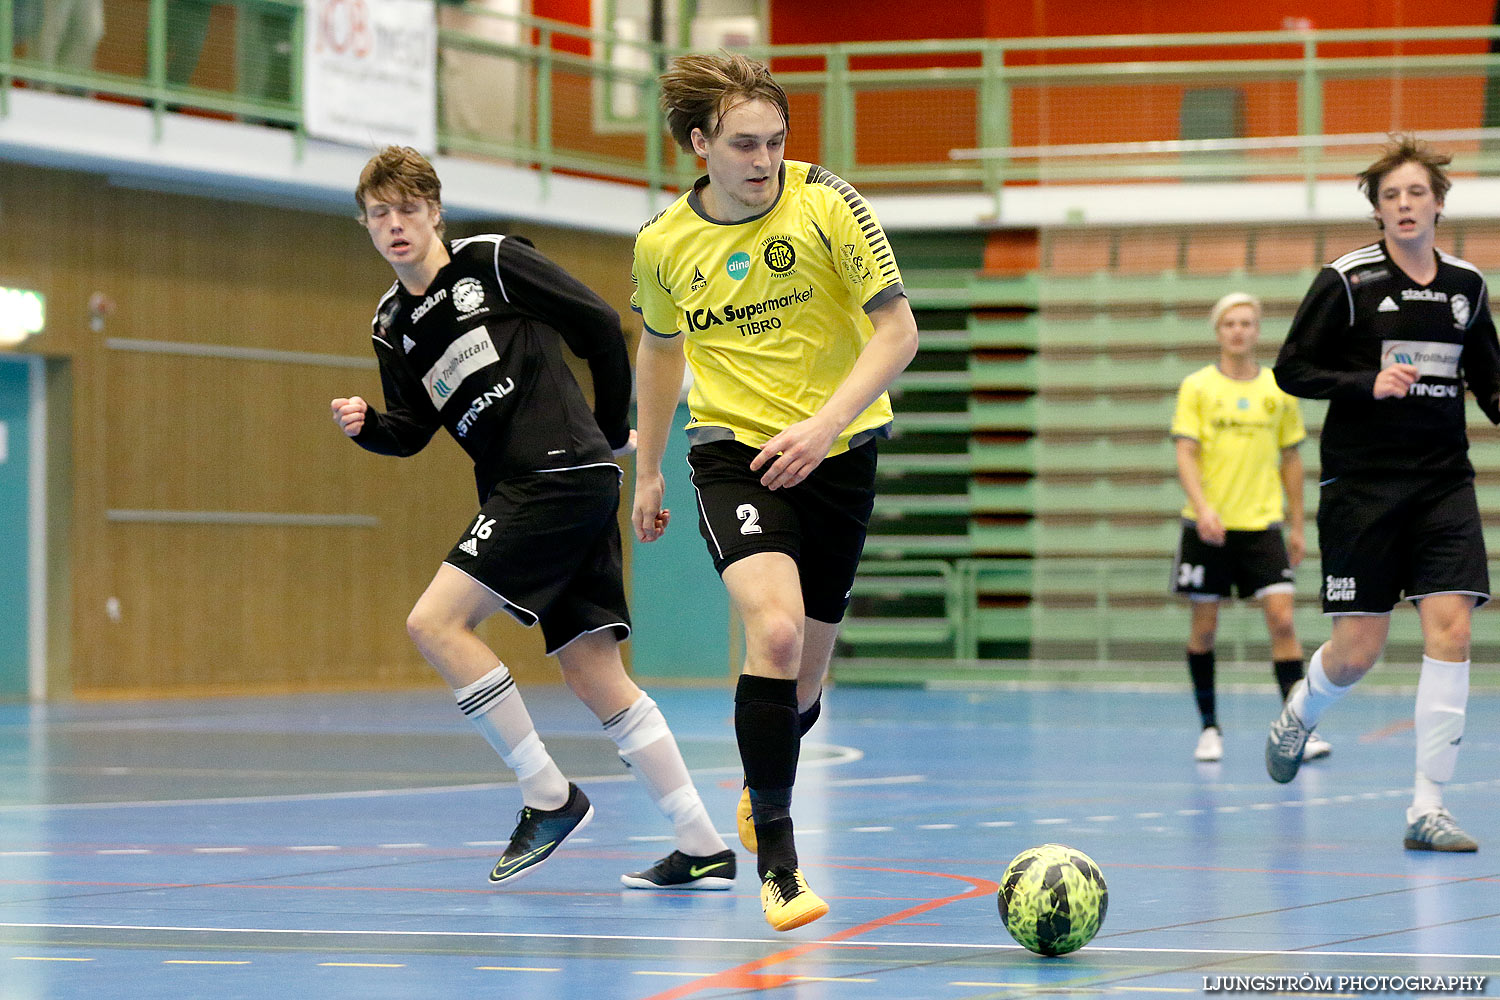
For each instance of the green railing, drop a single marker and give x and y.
(949, 115)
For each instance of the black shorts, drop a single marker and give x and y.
(1391, 537)
(1249, 562)
(548, 545)
(820, 522)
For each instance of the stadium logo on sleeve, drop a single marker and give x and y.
(468, 296)
(738, 266)
(779, 255)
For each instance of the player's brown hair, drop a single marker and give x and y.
(401, 171)
(1406, 148)
(697, 91)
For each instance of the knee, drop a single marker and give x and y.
(1201, 640)
(1281, 628)
(1450, 640)
(425, 626)
(779, 638)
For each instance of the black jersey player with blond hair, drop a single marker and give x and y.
(774, 283)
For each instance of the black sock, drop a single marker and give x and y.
(766, 727)
(1288, 673)
(1201, 669)
(806, 719)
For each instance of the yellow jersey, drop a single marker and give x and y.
(1241, 427)
(773, 307)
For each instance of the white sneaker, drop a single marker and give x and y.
(1317, 748)
(1210, 745)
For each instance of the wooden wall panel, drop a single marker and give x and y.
(207, 608)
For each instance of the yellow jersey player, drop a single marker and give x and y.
(1237, 434)
(773, 281)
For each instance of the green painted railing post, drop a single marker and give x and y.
(7, 52)
(156, 61)
(656, 181)
(544, 108)
(838, 121)
(1310, 114)
(994, 118)
(295, 95)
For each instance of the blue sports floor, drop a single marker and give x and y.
(337, 847)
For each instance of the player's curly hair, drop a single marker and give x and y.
(1406, 148)
(401, 171)
(698, 90)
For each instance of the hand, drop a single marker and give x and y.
(349, 414)
(1393, 382)
(647, 516)
(1210, 528)
(628, 448)
(1296, 546)
(796, 451)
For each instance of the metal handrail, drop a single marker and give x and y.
(983, 88)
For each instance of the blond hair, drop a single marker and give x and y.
(698, 90)
(1230, 301)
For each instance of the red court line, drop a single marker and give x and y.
(1376, 735)
(749, 977)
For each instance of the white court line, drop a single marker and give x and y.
(513, 935)
(841, 755)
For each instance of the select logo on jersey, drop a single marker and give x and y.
(738, 266)
(1461, 312)
(465, 356)
(1433, 359)
(468, 296)
(698, 279)
(778, 254)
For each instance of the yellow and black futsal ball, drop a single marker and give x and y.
(1052, 899)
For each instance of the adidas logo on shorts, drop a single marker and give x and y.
(470, 546)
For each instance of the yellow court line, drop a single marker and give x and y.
(364, 965)
(201, 961)
(510, 968)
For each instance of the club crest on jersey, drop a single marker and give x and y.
(468, 296)
(1460, 306)
(779, 255)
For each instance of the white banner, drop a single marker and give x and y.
(370, 72)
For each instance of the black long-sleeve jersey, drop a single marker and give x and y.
(1363, 314)
(480, 354)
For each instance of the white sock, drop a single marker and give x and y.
(494, 706)
(646, 744)
(1310, 699)
(1442, 700)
